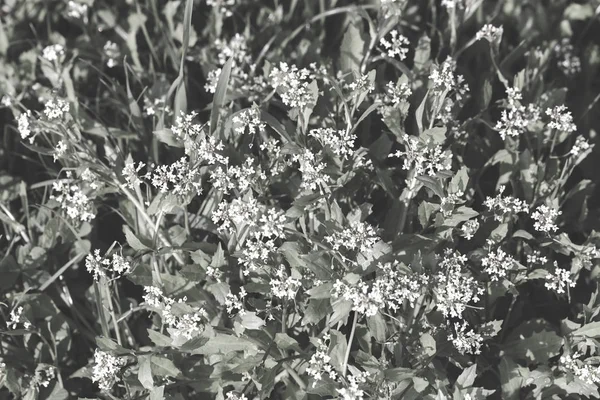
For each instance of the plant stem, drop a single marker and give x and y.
(349, 347)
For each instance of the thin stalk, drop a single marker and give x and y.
(103, 323)
(111, 310)
(349, 347)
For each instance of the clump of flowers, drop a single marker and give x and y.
(454, 289)
(353, 390)
(319, 362)
(53, 52)
(568, 62)
(490, 33)
(76, 204)
(561, 119)
(106, 369)
(588, 373)
(284, 286)
(112, 53)
(44, 375)
(515, 118)
(497, 264)
(223, 7)
(340, 142)
(560, 280)
(358, 236)
(56, 108)
(396, 45)
(425, 157)
(545, 218)
(504, 206)
(237, 178)
(313, 176)
(466, 340)
(236, 302)
(24, 125)
(180, 178)
(130, 173)
(249, 119)
(581, 145)
(77, 10)
(98, 266)
(445, 80)
(17, 318)
(469, 228)
(396, 93)
(292, 84)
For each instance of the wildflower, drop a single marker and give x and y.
(505, 206)
(536, 258)
(236, 48)
(284, 286)
(585, 256)
(361, 85)
(184, 127)
(444, 79)
(179, 178)
(24, 125)
(545, 218)
(447, 204)
(77, 10)
(237, 178)
(53, 52)
(60, 150)
(130, 173)
(561, 119)
(292, 85)
(319, 362)
(466, 341)
(588, 373)
(223, 7)
(271, 224)
(106, 369)
(497, 264)
(560, 280)
(469, 228)
(425, 157)
(312, 172)
(250, 119)
(17, 318)
(395, 46)
(394, 94)
(567, 62)
(233, 216)
(44, 375)
(214, 273)
(353, 391)
(340, 142)
(256, 253)
(73, 201)
(236, 302)
(211, 80)
(6, 101)
(515, 119)
(358, 236)
(112, 52)
(98, 266)
(56, 108)
(454, 290)
(233, 396)
(490, 33)
(581, 145)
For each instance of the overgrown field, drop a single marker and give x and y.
(285, 199)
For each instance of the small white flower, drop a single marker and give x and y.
(469, 228)
(466, 341)
(396, 46)
(545, 218)
(77, 10)
(112, 52)
(60, 150)
(76, 204)
(340, 142)
(313, 176)
(560, 280)
(588, 373)
(248, 119)
(53, 52)
(504, 206)
(490, 33)
(106, 369)
(236, 302)
(561, 119)
(284, 286)
(292, 84)
(17, 318)
(581, 145)
(130, 173)
(358, 236)
(24, 125)
(56, 108)
(497, 264)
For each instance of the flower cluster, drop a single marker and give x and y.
(183, 321)
(185, 128)
(447, 203)
(560, 280)
(395, 94)
(490, 33)
(588, 373)
(98, 266)
(561, 119)
(77, 10)
(292, 85)
(223, 7)
(237, 178)
(319, 362)
(236, 302)
(358, 236)
(130, 173)
(53, 52)
(503, 206)
(17, 318)
(425, 157)
(567, 61)
(454, 289)
(396, 45)
(56, 108)
(112, 53)
(76, 204)
(180, 178)
(580, 145)
(313, 176)
(106, 369)
(515, 119)
(44, 375)
(284, 286)
(340, 142)
(353, 390)
(545, 218)
(248, 119)
(466, 341)
(445, 81)
(497, 264)
(469, 228)
(24, 125)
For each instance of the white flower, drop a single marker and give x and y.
(588, 373)
(469, 228)
(515, 119)
(249, 119)
(319, 362)
(358, 236)
(284, 286)
(394, 94)
(76, 204)
(490, 33)
(427, 158)
(452, 4)
(561, 119)
(44, 375)
(106, 369)
(223, 7)
(536, 258)
(292, 84)
(236, 302)
(444, 79)
(237, 178)
(112, 52)
(98, 266)
(353, 391)
(56, 108)
(505, 206)
(396, 45)
(53, 52)
(256, 254)
(545, 218)
(567, 61)
(340, 142)
(180, 178)
(466, 341)
(17, 318)
(447, 204)
(211, 80)
(581, 145)
(130, 173)
(77, 10)
(60, 150)
(233, 396)
(560, 280)
(497, 264)
(24, 125)
(313, 176)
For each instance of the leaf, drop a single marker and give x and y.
(159, 339)
(322, 291)
(341, 310)
(145, 372)
(108, 345)
(163, 367)
(338, 347)
(220, 92)
(433, 184)
(252, 321)
(194, 343)
(591, 330)
(467, 377)
(157, 393)
(133, 241)
(317, 310)
(398, 374)
(377, 326)
(352, 49)
(285, 342)
(533, 341)
(223, 344)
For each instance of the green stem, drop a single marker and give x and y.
(349, 347)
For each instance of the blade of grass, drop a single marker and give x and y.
(220, 93)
